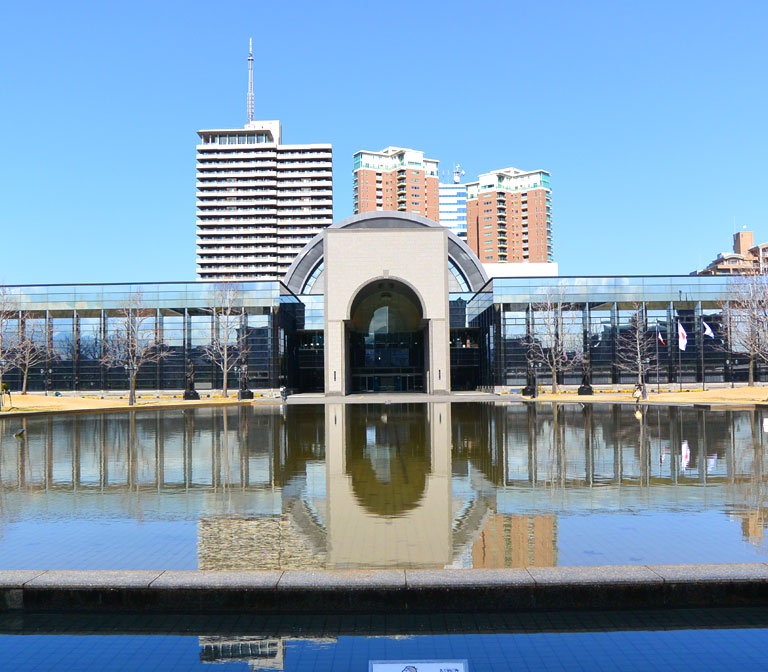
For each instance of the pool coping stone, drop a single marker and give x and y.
(617, 574)
(228, 580)
(386, 590)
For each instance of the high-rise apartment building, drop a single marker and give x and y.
(453, 204)
(509, 216)
(258, 201)
(395, 179)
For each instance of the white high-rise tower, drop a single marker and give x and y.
(258, 201)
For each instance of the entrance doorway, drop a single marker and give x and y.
(387, 339)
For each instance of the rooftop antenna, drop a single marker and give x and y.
(250, 80)
(458, 173)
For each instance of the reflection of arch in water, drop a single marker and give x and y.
(388, 464)
(372, 520)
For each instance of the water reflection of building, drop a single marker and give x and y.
(259, 653)
(516, 541)
(753, 523)
(457, 485)
(237, 543)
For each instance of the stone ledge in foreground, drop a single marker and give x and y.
(386, 591)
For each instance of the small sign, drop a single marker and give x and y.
(418, 666)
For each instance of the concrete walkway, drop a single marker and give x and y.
(391, 591)
(717, 398)
(400, 398)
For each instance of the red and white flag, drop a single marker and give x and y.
(658, 335)
(682, 337)
(685, 455)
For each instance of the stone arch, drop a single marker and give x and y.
(311, 256)
(385, 279)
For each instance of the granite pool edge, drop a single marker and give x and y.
(386, 591)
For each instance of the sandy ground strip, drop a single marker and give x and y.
(30, 403)
(38, 403)
(737, 396)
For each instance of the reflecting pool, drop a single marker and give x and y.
(459, 485)
(704, 640)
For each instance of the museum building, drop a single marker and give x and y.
(381, 301)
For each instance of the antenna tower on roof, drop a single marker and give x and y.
(250, 80)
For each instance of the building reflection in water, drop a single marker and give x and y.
(371, 485)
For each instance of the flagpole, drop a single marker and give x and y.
(701, 349)
(658, 387)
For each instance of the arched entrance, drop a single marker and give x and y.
(386, 339)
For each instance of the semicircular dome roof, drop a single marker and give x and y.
(462, 260)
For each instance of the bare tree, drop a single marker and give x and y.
(745, 314)
(556, 338)
(635, 346)
(227, 345)
(27, 351)
(8, 315)
(134, 341)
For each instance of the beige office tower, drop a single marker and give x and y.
(258, 201)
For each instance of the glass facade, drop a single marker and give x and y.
(597, 315)
(74, 322)
(282, 340)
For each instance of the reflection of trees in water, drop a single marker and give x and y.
(749, 498)
(136, 450)
(301, 437)
(477, 437)
(575, 444)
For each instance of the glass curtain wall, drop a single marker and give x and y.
(65, 331)
(600, 338)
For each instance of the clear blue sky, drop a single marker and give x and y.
(651, 117)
